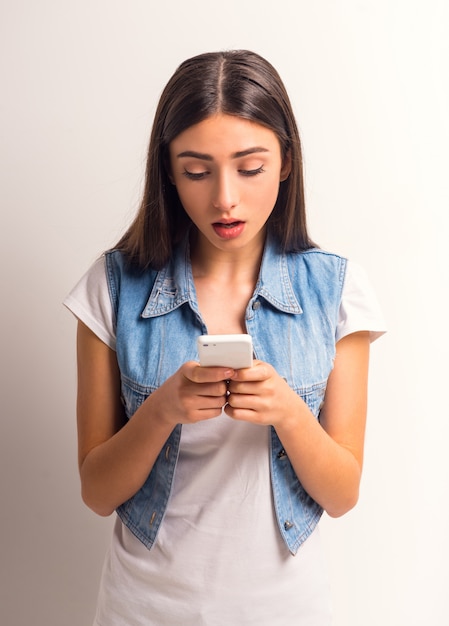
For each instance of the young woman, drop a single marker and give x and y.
(219, 476)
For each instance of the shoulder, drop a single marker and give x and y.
(326, 269)
(92, 282)
(316, 257)
(120, 270)
(89, 301)
(321, 257)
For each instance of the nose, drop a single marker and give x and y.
(226, 195)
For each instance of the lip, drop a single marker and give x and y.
(228, 229)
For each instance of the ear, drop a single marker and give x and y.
(286, 166)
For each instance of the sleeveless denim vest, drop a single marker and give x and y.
(292, 318)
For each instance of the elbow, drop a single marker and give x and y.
(345, 494)
(343, 505)
(95, 505)
(93, 494)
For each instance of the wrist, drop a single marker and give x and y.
(294, 416)
(155, 415)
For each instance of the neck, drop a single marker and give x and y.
(226, 266)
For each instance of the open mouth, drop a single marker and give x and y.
(228, 230)
(227, 225)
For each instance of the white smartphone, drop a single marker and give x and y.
(234, 351)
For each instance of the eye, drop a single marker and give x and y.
(253, 172)
(194, 175)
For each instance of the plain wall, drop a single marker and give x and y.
(369, 83)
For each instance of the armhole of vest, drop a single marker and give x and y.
(342, 277)
(111, 281)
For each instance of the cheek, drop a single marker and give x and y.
(265, 195)
(194, 204)
(189, 197)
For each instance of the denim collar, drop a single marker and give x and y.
(174, 284)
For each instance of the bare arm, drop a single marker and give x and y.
(327, 456)
(115, 455)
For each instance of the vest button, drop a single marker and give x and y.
(288, 525)
(256, 305)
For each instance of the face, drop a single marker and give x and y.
(227, 172)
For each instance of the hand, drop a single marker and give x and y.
(192, 394)
(259, 395)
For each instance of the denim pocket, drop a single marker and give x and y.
(133, 395)
(313, 396)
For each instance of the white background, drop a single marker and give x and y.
(369, 84)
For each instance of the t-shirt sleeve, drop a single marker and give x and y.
(89, 301)
(359, 307)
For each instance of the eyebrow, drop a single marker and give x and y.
(208, 157)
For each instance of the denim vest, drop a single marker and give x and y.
(292, 318)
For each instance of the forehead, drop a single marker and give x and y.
(225, 133)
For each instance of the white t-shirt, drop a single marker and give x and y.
(219, 559)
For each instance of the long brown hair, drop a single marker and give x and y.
(236, 82)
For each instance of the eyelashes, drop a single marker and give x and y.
(194, 176)
(258, 170)
(202, 175)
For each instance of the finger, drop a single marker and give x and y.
(250, 387)
(212, 390)
(204, 390)
(245, 401)
(242, 414)
(203, 414)
(198, 374)
(197, 407)
(258, 372)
